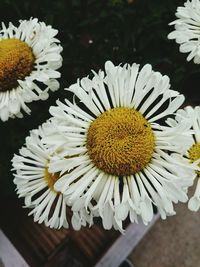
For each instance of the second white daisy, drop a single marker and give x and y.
(35, 183)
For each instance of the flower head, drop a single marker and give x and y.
(187, 29)
(35, 183)
(114, 153)
(192, 154)
(30, 55)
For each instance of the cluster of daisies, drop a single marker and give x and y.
(121, 148)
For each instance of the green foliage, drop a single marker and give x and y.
(92, 32)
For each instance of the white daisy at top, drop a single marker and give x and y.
(116, 154)
(187, 29)
(192, 154)
(36, 184)
(30, 57)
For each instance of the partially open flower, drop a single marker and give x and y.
(30, 56)
(187, 32)
(35, 183)
(115, 147)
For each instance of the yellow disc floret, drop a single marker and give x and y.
(194, 154)
(50, 179)
(120, 141)
(16, 62)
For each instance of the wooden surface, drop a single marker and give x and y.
(9, 256)
(43, 247)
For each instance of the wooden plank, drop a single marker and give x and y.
(9, 256)
(92, 243)
(122, 247)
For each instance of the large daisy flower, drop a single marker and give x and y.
(187, 32)
(35, 183)
(115, 158)
(192, 154)
(30, 56)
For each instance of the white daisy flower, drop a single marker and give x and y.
(30, 56)
(35, 183)
(192, 154)
(187, 29)
(115, 148)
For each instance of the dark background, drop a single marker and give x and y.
(121, 31)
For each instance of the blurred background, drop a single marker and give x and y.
(91, 32)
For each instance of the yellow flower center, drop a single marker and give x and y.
(194, 154)
(50, 179)
(120, 141)
(16, 62)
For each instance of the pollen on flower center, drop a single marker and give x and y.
(50, 178)
(120, 141)
(16, 62)
(194, 154)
